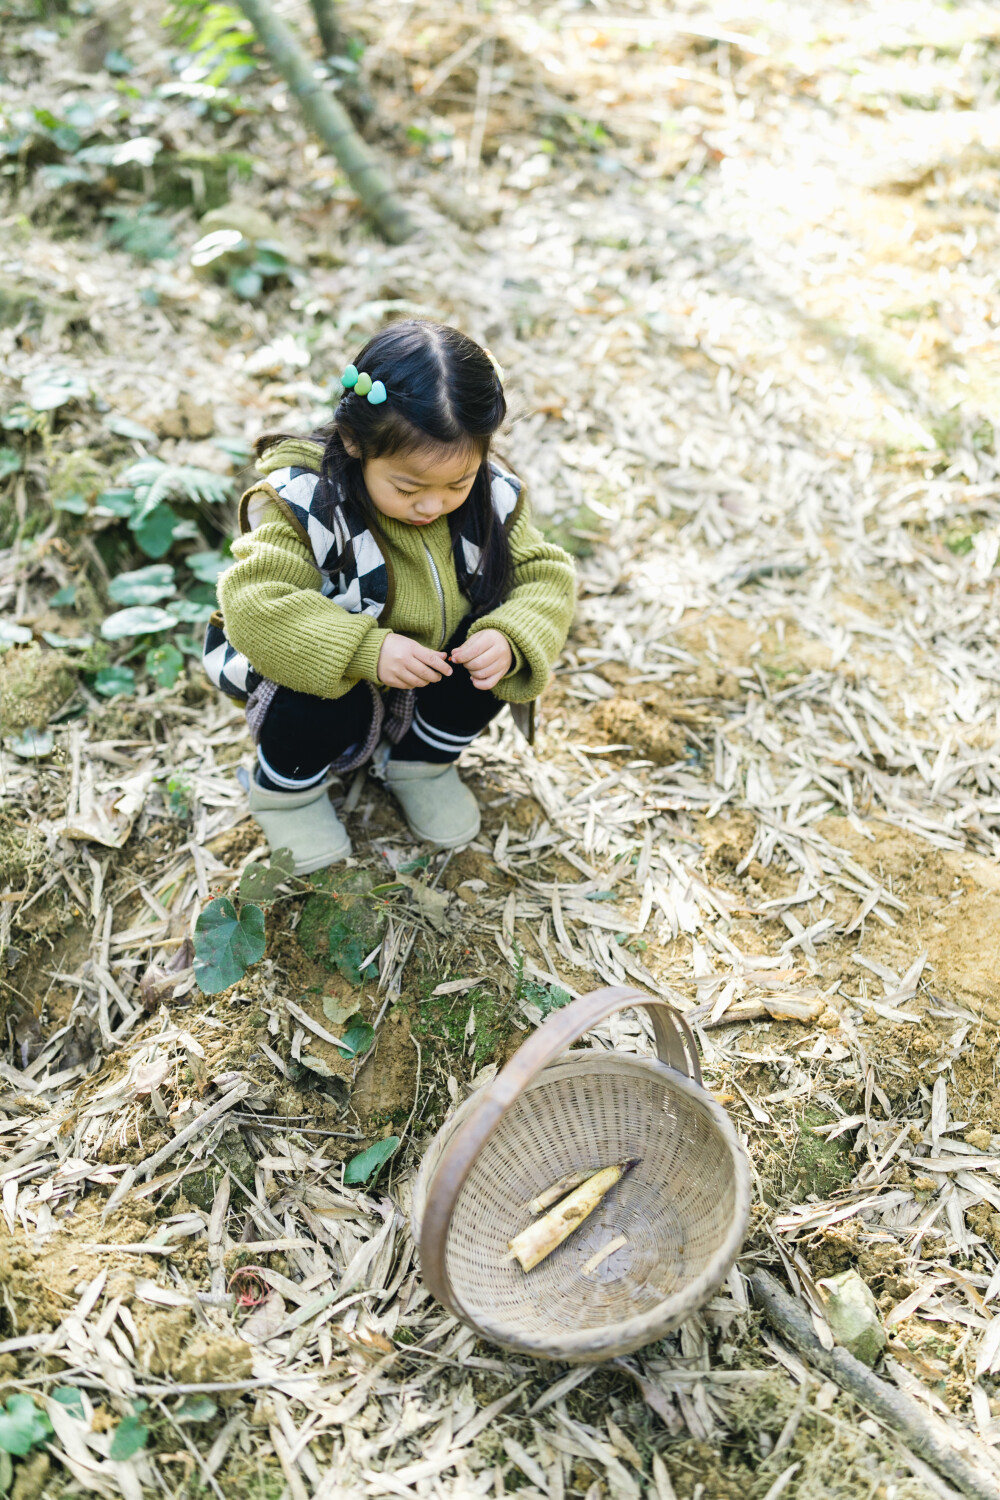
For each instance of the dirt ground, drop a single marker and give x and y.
(739, 267)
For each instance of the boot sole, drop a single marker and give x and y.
(455, 842)
(310, 866)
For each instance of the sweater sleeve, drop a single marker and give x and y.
(277, 616)
(537, 613)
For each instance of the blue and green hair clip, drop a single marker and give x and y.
(363, 385)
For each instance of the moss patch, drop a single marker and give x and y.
(33, 684)
(342, 922)
(818, 1166)
(200, 1188)
(444, 1019)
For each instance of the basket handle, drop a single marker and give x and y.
(675, 1046)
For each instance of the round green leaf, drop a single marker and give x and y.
(22, 1425)
(367, 1163)
(10, 462)
(206, 566)
(191, 611)
(115, 502)
(19, 418)
(113, 680)
(68, 642)
(130, 1437)
(219, 242)
(13, 635)
(74, 504)
(357, 1039)
(125, 427)
(142, 619)
(262, 883)
(196, 1409)
(69, 1396)
(32, 744)
(44, 390)
(157, 531)
(164, 664)
(246, 283)
(226, 944)
(144, 585)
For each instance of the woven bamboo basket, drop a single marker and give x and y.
(683, 1210)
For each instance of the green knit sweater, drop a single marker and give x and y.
(277, 617)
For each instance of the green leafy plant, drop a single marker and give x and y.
(69, 1397)
(195, 1409)
(130, 1436)
(367, 1163)
(13, 635)
(226, 943)
(263, 882)
(244, 264)
(219, 38)
(143, 233)
(179, 797)
(47, 389)
(342, 925)
(357, 1039)
(154, 481)
(164, 664)
(140, 619)
(23, 1426)
(545, 997)
(206, 566)
(143, 585)
(112, 681)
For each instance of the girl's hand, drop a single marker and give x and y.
(403, 663)
(487, 655)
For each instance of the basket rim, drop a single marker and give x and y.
(628, 1334)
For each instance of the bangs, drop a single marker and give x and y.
(398, 436)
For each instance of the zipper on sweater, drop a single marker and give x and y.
(440, 593)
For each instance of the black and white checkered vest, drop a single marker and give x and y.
(356, 574)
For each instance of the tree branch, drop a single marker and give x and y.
(331, 122)
(328, 25)
(918, 1428)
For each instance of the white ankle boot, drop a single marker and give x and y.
(437, 804)
(303, 822)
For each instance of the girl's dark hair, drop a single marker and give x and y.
(442, 390)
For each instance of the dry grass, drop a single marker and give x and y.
(743, 297)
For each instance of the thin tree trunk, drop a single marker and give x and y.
(328, 26)
(331, 122)
(919, 1430)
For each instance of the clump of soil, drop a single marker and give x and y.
(201, 1187)
(211, 1357)
(834, 1249)
(383, 1093)
(728, 840)
(31, 1477)
(22, 848)
(33, 684)
(162, 1337)
(624, 722)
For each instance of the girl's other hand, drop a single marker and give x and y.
(487, 655)
(403, 663)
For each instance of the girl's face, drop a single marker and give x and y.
(417, 488)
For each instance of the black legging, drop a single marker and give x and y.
(302, 734)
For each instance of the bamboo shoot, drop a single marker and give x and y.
(557, 1190)
(533, 1244)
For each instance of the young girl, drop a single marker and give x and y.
(389, 585)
